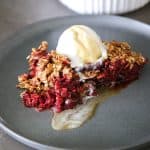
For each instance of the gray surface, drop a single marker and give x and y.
(18, 13)
(125, 114)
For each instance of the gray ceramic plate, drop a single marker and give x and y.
(122, 121)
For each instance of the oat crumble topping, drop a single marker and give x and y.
(51, 82)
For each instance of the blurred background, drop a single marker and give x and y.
(15, 14)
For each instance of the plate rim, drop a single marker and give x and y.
(17, 34)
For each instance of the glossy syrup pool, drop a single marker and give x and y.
(104, 94)
(74, 118)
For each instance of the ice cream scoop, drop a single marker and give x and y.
(82, 45)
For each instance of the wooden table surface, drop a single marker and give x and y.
(15, 14)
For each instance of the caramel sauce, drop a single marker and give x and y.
(73, 118)
(104, 94)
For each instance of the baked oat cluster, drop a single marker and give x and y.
(122, 65)
(51, 82)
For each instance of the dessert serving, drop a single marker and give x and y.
(68, 80)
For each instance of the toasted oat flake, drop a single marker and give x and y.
(51, 82)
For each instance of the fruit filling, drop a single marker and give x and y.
(52, 83)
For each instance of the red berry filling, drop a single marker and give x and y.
(53, 84)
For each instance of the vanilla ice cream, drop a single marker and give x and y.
(82, 45)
